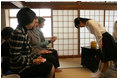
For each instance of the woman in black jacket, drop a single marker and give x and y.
(22, 60)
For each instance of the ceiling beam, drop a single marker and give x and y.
(64, 5)
(18, 4)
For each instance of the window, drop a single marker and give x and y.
(110, 18)
(46, 13)
(13, 20)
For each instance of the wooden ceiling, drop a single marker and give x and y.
(61, 5)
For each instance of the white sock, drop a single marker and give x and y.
(95, 72)
(97, 75)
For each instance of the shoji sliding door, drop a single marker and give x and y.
(85, 36)
(67, 35)
(110, 18)
(63, 27)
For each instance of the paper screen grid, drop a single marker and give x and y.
(67, 34)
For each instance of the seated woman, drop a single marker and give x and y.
(6, 33)
(50, 55)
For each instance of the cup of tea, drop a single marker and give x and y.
(93, 44)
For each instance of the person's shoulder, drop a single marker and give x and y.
(17, 31)
(18, 34)
(91, 20)
(30, 32)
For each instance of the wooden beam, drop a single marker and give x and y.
(17, 4)
(66, 5)
(7, 5)
(85, 7)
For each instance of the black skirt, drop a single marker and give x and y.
(109, 48)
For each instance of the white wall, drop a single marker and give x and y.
(4, 20)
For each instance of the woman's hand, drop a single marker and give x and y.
(53, 39)
(39, 60)
(101, 45)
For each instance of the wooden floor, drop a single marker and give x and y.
(70, 62)
(74, 73)
(71, 68)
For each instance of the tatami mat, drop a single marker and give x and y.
(70, 62)
(71, 68)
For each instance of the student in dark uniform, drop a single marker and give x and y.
(105, 42)
(5, 49)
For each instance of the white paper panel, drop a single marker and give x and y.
(70, 18)
(65, 18)
(70, 12)
(65, 30)
(70, 46)
(75, 52)
(60, 53)
(60, 36)
(76, 47)
(71, 30)
(71, 52)
(66, 47)
(71, 41)
(60, 18)
(75, 30)
(54, 12)
(56, 47)
(65, 41)
(60, 12)
(60, 30)
(66, 52)
(61, 47)
(55, 24)
(75, 41)
(65, 12)
(54, 18)
(60, 41)
(60, 24)
(67, 34)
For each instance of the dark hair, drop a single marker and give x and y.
(40, 20)
(77, 21)
(115, 21)
(25, 16)
(6, 32)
